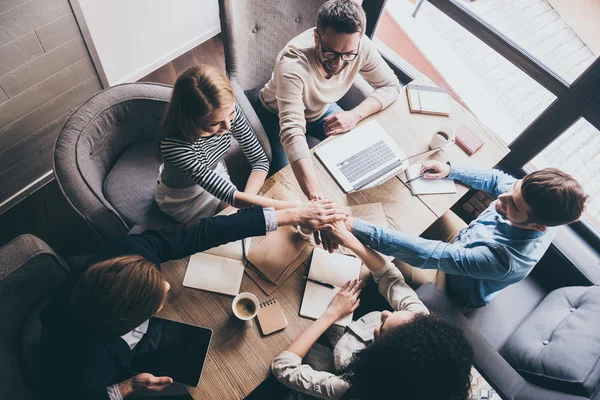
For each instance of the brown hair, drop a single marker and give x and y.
(555, 197)
(115, 296)
(344, 16)
(198, 91)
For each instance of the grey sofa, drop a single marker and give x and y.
(105, 164)
(540, 338)
(30, 273)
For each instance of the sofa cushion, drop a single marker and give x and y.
(130, 187)
(557, 346)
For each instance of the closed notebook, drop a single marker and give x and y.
(276, 252)
(420, 186)
(218, 270)
(428, 99)
(270, 317)
(467, 140)
(336, 269)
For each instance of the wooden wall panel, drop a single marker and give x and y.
(43, 67)
(47, 90)
(29, 16)
(19, 52)
(58, 32)
(43, 115)
(11, 179)
(8, 4)
(45, 73)
(38, 140)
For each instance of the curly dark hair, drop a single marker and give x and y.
(427, 358)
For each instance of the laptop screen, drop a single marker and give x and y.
(172, 349)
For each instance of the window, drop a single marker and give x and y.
(577, 152)
(561, 34)
(528, 69)
(501, 95)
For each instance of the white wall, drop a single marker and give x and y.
(135, 37)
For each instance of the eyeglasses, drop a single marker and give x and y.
(332, 55)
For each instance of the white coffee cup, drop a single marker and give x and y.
(245, 307)
(442, 137)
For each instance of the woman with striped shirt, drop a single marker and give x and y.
(195, 134)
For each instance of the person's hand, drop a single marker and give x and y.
(318, 214)
(433, 169)
(328, 242)
(340, 233)
(346, 300)
(340, 122)
(144, 382)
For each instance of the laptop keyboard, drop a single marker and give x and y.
(366, 161)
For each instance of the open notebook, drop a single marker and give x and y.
(427, 186)
(219, 269)
(336, 269)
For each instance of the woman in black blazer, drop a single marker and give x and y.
(83, 353)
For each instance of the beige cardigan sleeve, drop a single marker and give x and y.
(289, 370)
(376, 71)
(290, 87)
(399, 295)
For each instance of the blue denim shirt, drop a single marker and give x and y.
(487, 256)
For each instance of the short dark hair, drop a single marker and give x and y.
(555, 197)
(344, 16)
(403, 363)
(115, 296)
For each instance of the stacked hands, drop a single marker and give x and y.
(331, 224)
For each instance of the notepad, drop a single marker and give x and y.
(428, 99)
(218, 270)
(336, 269)
(270, 317)
(427, 186)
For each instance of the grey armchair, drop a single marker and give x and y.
(105, 164)
(538, 340)
(30, 273)
(254, 31)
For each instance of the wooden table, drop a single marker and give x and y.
(239, 359)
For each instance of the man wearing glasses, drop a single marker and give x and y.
(314, 71)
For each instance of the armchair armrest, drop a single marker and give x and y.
(30, 272)
(251, 116)
(492, 366)
(359, 91)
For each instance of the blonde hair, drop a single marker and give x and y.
(116, 295)
(198, 91)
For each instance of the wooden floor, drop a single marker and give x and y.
(209, 52)
(48, 215)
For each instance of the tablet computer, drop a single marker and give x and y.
(172, 349)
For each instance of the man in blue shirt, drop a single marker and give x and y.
(500, 247)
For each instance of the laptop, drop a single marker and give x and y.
(363, 158)
(172, 349)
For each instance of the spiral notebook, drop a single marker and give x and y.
(270, 317)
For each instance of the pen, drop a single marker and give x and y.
(244, 251)
(327, 285)
(420, 176)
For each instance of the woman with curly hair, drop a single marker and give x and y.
(407, 354)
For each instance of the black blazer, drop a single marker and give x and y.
(76, 366)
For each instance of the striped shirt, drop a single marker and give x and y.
(188, 164)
